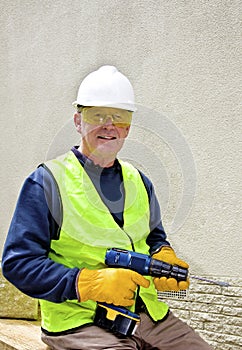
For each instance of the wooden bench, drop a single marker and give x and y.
(20, 335)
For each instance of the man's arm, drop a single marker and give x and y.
(157, 237)
(25, 261)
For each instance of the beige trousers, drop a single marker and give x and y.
(171, 334)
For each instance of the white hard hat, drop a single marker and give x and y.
(106, 87)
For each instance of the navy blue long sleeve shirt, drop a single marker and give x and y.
(37, 220)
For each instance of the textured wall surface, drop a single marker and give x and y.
(214, 311)
(183, 60)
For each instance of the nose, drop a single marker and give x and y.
(108, 121)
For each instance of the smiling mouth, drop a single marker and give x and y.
(108, 138)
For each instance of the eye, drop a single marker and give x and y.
(97, 116)
(117, 117)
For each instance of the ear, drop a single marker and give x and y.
(127, 130)
(77, 121)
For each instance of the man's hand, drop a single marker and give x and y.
(164, 284)
(113, 286)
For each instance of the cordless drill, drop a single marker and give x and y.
(119, 319)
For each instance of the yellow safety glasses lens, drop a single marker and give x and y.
(100, 116)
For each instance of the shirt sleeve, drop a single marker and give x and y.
(157, 236)
(25, 261)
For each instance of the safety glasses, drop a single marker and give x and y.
(101, 115)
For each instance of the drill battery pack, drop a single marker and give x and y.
(116, 319)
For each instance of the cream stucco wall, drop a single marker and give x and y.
(183, 60)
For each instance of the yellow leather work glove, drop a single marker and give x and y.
(110, 285)
(164, 284)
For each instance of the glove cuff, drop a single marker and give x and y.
(76, 286)
(161, 247)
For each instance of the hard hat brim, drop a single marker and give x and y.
(126, 106)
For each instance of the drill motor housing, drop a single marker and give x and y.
(144, 264)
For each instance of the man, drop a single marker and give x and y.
(70, 210)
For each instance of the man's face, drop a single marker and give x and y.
(103, 133)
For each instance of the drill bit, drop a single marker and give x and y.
(219, 283)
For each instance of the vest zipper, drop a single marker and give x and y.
(133, 248)
(130, 238)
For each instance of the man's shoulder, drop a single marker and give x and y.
(41, 176)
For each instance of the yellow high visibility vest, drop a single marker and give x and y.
(88, 229)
